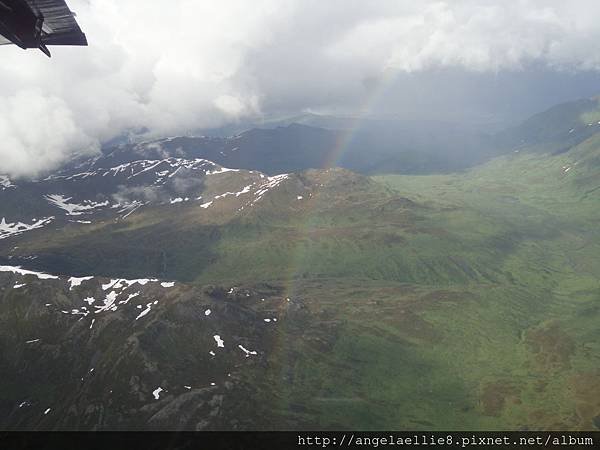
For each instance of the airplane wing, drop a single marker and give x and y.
(60, 26)
(39, 23)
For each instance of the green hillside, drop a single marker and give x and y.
(461, 301)
(491, 323)
(488, 319)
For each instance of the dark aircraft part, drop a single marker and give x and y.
(39, 23)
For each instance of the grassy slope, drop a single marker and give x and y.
(439, 302)
(532, 337)
(481, 312)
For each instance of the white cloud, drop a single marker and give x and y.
(38, 131)
(189, 64)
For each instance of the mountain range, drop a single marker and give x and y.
(372, 277)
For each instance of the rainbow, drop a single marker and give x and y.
(292, 273)
(335, 155)
(346, 137)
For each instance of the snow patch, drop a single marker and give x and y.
(17, 269)
(270, 183)
(219, 341)
(75, 281)
(246, 351)
(121, 282)
(145, 311)
(221, 170)
(109, 303)
(124, 302)
(156, 392)
(74, 209)
(244, 190)
(14, 229)
(5, 183)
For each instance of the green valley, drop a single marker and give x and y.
(466, 300)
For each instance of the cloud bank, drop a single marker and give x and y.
(187, 65)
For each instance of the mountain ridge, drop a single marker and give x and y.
(423, 302)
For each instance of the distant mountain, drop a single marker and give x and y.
(380, 147)
(555, 130)
(372, 146)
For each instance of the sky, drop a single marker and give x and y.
(203, 64)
